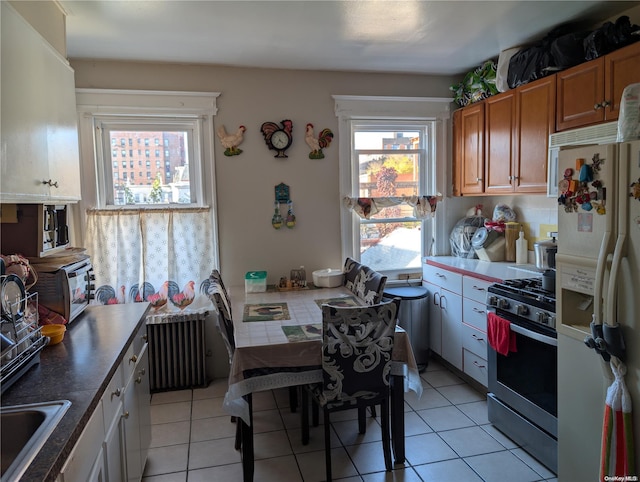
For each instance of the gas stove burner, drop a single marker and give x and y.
(525, 299)
(529, 287)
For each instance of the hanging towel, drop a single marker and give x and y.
(499, 333)
(617, 458)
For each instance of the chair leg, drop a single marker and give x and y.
(293, 398)
(238, 444)
(373, 411)
(327, 444)
(304, 416)
(315, 413)
(362, 419)
(386, 435)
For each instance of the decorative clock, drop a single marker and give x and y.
(278, 138)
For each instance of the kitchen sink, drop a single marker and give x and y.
(25, 429)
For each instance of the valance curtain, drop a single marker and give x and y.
(163, 256)
(365, 207)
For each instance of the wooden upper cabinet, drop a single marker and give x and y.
(590, 93)
(500, 130)
(535, 121)
(580, 90)
(470, 158)
(622, 68)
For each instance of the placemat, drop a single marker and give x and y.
(266, 312)
(340, 301)
(303, 332)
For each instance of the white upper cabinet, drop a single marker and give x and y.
(39, 133)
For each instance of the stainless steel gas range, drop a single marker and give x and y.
(523, 398)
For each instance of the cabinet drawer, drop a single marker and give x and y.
(474, 314)
(474, 341)
(476, 367)
(134, 352)
(475, 289)
(112, 398)
(443, 278)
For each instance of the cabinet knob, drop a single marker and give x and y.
(145, 337)
(143, 371)
(125, 415)
(139, 380)
(50, 183)
(117, 393)
(133, 359)
(479, 179)
(479, 311)
(606, 103)
(597, 106)
(478, 288)
(478, 364)
(477, 337)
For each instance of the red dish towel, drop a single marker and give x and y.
(499, 333)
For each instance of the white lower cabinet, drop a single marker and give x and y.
(113, 445)
(86, 459)
(445, 312)
(137, 416)
(115, 442)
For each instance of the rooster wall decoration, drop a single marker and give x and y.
(231, 141)
(278, 138)
(316, 145)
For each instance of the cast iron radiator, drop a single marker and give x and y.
(176, 351)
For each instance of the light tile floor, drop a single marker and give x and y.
(448, 438)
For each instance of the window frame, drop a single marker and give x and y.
(130, 107)
(361, 110)
(191, 126)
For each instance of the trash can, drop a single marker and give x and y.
(414, 318)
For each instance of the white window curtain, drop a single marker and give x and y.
(163, 256)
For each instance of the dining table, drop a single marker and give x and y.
(278, 344)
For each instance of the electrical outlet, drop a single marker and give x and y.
(408, 276)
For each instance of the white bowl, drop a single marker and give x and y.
(328, 278)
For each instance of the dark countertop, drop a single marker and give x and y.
(79, 370)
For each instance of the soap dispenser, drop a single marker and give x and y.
(521, 248)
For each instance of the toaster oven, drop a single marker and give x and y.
(66, 289)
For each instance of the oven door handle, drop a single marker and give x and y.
(533, 335)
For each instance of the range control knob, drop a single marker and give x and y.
(492, 301)
(542, 317)
(522, 309)
(503, 304)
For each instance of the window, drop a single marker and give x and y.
(157, 152)
(182, 123)
(391, 160)
(390, 148)
(115, 153)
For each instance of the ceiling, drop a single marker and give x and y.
(425, 37)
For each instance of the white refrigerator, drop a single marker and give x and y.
(597, 279)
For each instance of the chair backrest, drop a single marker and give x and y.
(369, 285)
(357, 342)
(218, 295)
(351, 271)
